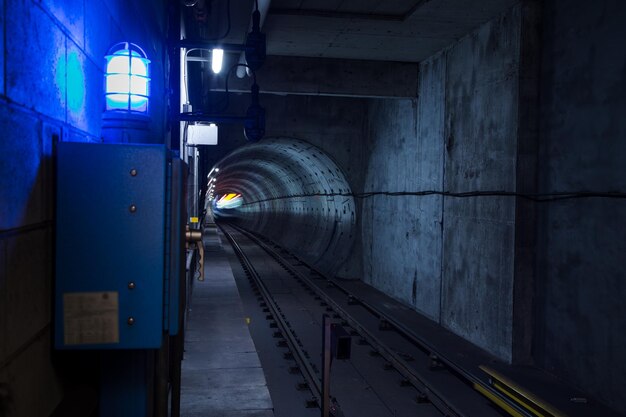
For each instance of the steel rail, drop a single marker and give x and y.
(307, 371)
(401, 329)
(435, 397)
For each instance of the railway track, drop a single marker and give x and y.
(391, 372)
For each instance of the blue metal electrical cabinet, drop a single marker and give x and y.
(118, 246)
(177, 222)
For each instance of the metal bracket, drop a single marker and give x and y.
(193, 237)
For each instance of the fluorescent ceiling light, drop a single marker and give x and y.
(217, 58)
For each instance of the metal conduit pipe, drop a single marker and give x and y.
(286, 185)
(264, 6)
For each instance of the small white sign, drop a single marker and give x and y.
(90, 318)
(202, 134)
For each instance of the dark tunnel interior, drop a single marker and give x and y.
(459, 162)
(291, 193)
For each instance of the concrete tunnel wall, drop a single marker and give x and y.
(502, 108)
(530, 283)
(289, 188)
(581, 280)
(579, 271)
(453, 259)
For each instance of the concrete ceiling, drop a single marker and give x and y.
(386, 30)
(381, 30)
(348, 34)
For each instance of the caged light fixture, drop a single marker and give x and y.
(127, 79)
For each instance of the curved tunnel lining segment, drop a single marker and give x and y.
(285, 185)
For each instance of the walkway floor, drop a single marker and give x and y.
(221, 372)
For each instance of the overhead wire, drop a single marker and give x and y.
(185, 76)
(226, 101)
(228, 25)
(223, 36)
(228, 74)
(537, 197)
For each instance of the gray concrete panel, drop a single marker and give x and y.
(334, 125)
(394, 227)
(402, 235)
(98, 41)
(71, 15)
(2, 45)
(3, 302)
(27, 287)
(481, 145)
(526, 182)
(581, 243)
(117, 10)
(20, 177)
(34, 387)
(430, 163)
(36, 80)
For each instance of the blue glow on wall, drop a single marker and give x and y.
(75, 82)
(60, 78)
(127, 79)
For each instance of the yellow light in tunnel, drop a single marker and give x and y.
(230, 200)
(229, 197)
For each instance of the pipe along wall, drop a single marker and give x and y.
(287, 187)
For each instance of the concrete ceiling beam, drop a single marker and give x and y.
(332, 77)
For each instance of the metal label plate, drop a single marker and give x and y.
(91, 318)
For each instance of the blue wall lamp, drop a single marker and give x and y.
(127, 79)
(126, 94)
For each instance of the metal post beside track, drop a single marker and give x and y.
(326, 357)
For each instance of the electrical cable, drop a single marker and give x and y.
(228, 74)
(537, 198)
(197, 272)
(226, 102)
(185, 133)
(228, 27)
(185, 76)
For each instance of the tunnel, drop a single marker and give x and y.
(291, 189)
(298, 208)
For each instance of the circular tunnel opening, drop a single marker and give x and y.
(291, 192)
